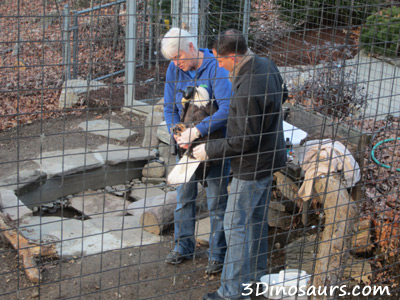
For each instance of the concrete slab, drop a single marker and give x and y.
(108, 129)
(113, 154)
(380, 78)
(99, 205)
(144, 192)
(59, 163)
(12, 206)
(382, 81)
(73, 88)
(76, 238)
(127, 230)
(22, 179)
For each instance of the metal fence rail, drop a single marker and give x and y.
(87, 207)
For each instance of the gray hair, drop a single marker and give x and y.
(176, 39)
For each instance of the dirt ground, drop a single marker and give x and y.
(136, 273)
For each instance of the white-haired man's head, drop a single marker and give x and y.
(177, 39)
(180, 46)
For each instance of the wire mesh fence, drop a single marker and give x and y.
(95, 193)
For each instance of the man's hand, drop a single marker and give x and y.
(199, 152)
(183, 146)
(188, 136)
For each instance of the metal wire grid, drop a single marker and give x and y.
(139, 271)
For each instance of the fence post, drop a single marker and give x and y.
(175, 13)
(66, 43)
(203, 24)
(246, 19)
(144, 32)
(151, 20)
(75, 46)
(130, 53)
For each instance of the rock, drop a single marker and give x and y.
(156, 181)
(279, 219)
(99, 205)
(275, 205)
(163, 133)
(144, 192)
(159, 107)
(113, 154)
(154, 170)
(12, 206)
(108, 129)
(75, 87)
(66, 162)
(166, 153)
(120, 190)
(152, 123)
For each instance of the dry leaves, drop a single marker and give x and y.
(382, 203)
(31, 71)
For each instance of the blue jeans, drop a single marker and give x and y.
(185, 213)
(246, 233)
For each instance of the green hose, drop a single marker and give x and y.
(373, 153)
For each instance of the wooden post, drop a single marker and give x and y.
(156, 213)
(335, 245)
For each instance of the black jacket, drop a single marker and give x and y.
(255, 141)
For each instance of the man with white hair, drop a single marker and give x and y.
(191, 66)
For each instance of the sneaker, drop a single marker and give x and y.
(175, 258)
(214, 267)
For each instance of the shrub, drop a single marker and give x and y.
(322, 12)
(381, 32)
(332, 91)
(223, 15)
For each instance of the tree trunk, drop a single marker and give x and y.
(335, 245)
(157, 213)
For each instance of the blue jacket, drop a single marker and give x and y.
(209, 76)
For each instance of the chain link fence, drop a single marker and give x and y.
(87, 208)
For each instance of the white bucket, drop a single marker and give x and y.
(286, 285)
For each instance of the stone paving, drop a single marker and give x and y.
(59, 174)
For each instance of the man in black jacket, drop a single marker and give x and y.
(256, 147)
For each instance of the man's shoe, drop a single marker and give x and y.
(214, 267)
(216, 296)
(175, 258)
(213, 296)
